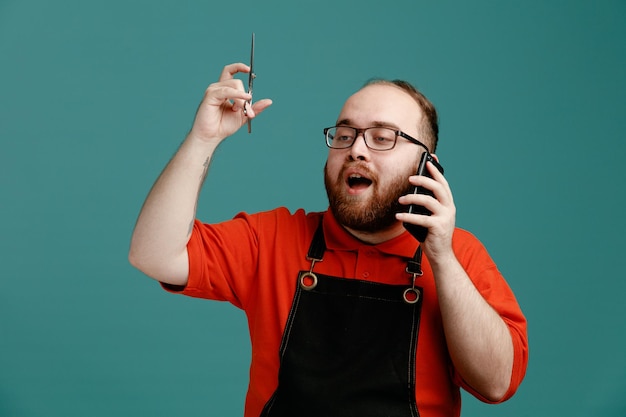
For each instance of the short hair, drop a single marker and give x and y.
(430, 129)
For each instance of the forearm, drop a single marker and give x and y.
(159, 241)
(478, 340)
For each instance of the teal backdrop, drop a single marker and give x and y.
(95, 97)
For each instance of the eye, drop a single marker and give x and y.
(382, 136)
(343, 134)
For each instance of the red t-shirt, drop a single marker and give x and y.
(253, 262)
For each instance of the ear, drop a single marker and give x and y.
(434, 157)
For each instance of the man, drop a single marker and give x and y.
(346, 317)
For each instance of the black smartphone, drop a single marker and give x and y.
(420, 232)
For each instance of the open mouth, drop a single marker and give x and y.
(358, 182)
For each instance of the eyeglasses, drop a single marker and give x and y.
(376, 138)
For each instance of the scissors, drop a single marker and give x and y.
(251, 78)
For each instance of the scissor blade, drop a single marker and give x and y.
(251, 77)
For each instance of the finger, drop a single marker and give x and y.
(442, 190)
(252, 111)
(229, 71)
(218, 93)
(232, 83)
(223, 89)
(257, 108)
(416, 219)
(423, 200)
(232, 90)
(434, 172)
(243, 104)
(423, 181)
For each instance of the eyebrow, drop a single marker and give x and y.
(348, 122)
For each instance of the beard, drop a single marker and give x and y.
(376, 213)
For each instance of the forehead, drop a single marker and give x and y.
(382, 104)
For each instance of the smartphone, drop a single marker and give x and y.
(420, 232)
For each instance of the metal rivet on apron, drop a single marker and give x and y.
(308, 281)
(411, 295)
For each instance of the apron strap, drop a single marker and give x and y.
(414, 266)
(318, 247)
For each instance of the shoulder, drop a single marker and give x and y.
(280, 223)
(279, 220)
(469, 249)
(465, 238)
(281, 217)
(463, 235)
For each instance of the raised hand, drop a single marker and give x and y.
(221, 112)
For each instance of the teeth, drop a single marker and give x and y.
(355, 176)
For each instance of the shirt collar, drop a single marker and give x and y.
(338, 238)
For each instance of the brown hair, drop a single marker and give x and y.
(430, 130)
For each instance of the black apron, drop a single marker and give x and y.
(348, 348)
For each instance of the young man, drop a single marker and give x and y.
(345, 316)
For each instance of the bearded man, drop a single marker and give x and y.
(349, 314)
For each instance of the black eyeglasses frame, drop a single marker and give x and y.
(362, 132)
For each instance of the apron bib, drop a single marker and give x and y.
(349, 346)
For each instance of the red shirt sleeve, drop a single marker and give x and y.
(495, 290)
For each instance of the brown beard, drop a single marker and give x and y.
(375, 214)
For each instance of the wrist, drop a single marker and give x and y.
(200, 140)
(441, 259)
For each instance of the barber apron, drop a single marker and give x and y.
(348, 348)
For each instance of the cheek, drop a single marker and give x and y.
(399, 171)
(334, 163)
(409, 163)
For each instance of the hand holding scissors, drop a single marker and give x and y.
(226, 105)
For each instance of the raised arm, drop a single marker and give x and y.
(159, 241)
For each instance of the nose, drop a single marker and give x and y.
(359, 150)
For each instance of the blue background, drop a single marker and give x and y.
(96, 96)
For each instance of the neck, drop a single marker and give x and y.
(380, 236)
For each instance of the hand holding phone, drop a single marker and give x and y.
(420, 232)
